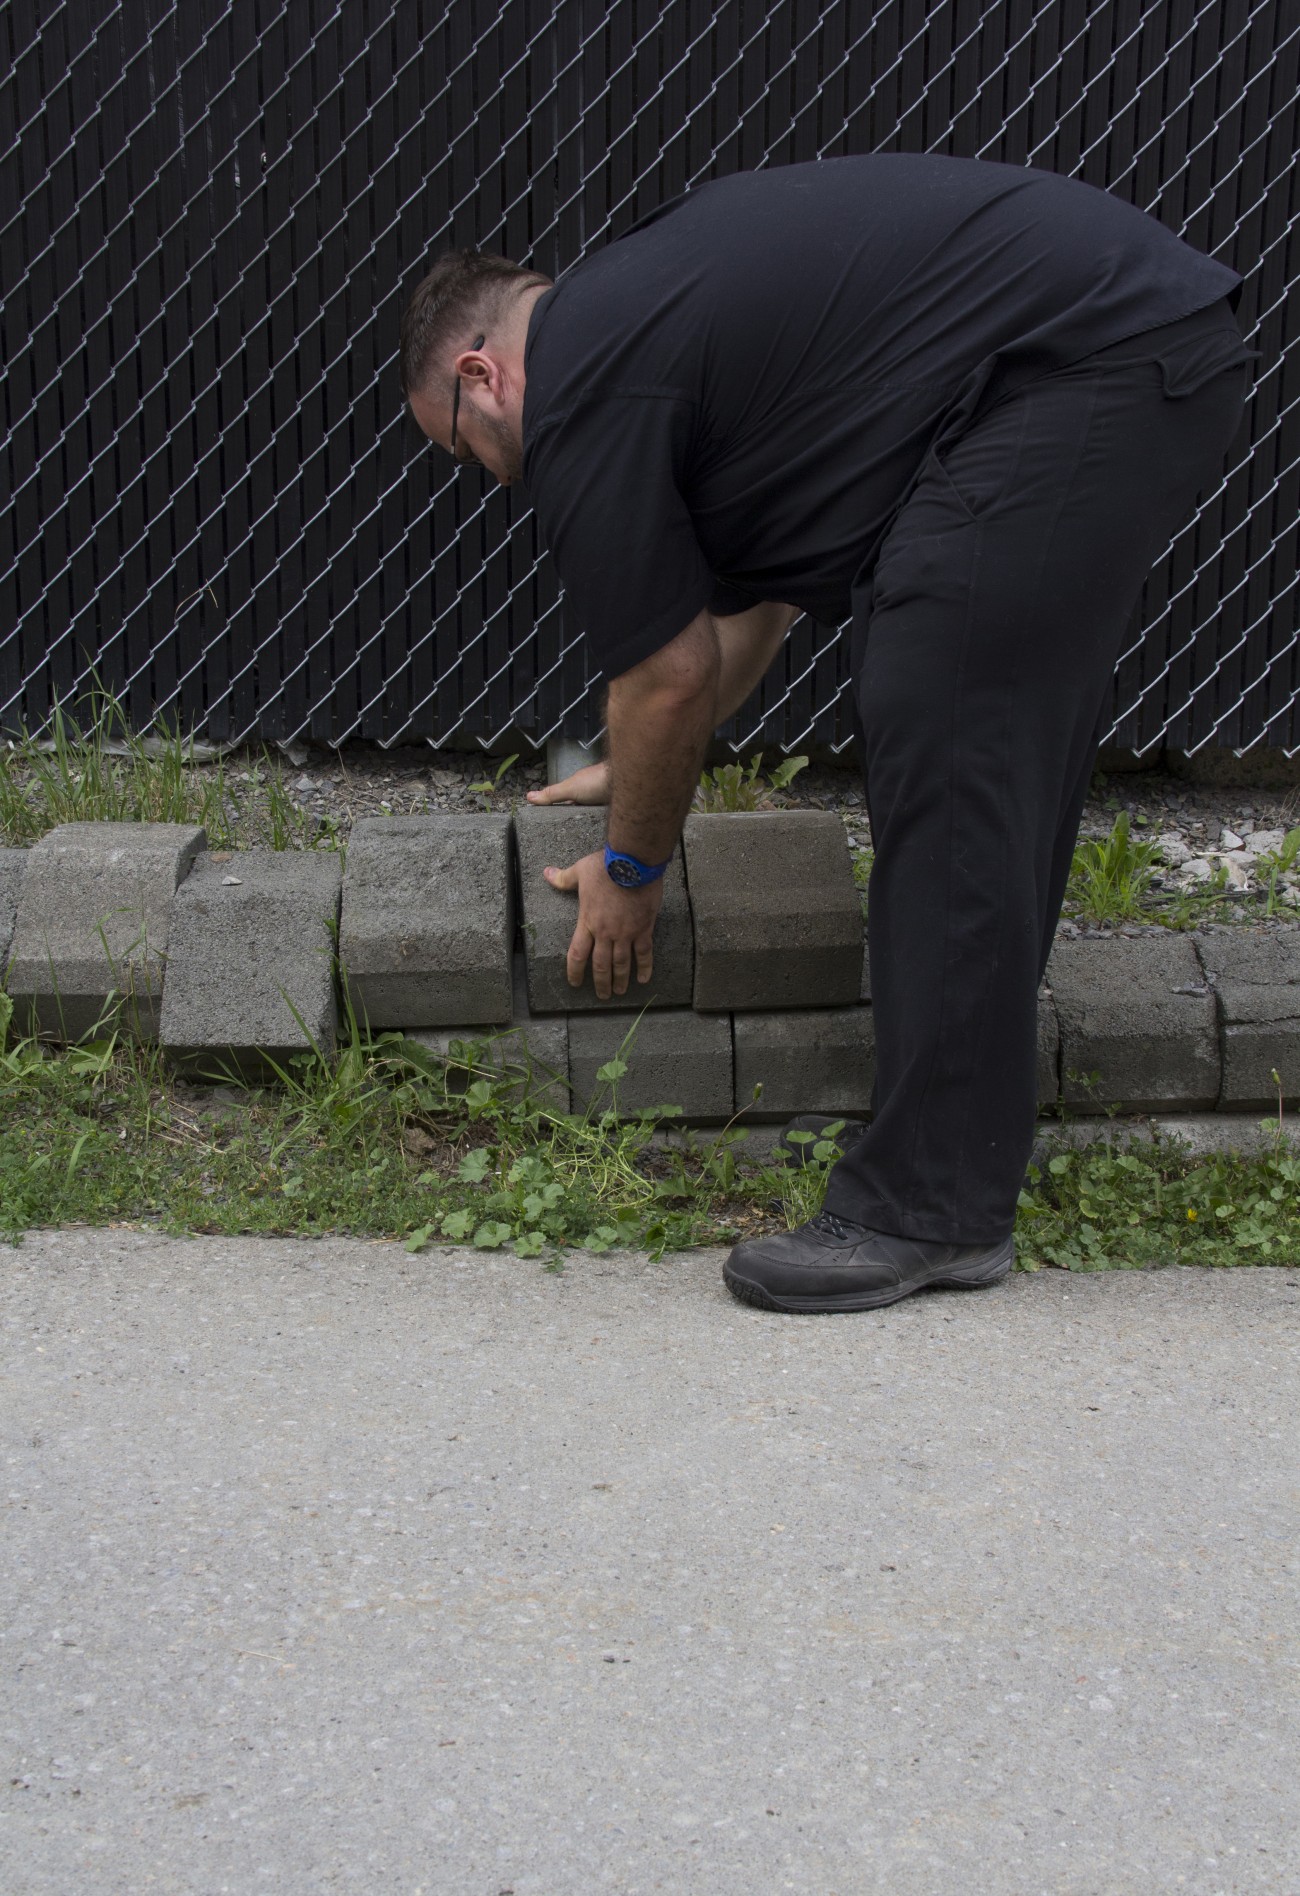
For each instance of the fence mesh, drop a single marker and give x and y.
(216, 505)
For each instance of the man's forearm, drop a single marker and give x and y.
(659, 719)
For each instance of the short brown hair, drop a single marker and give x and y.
(465, 291)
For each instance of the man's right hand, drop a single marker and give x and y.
(588, 785)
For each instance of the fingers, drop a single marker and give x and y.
(565, 880)
(575, 962)
(611, 967)
(612, 962)
(588, 785)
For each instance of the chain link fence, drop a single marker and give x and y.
(216, 507)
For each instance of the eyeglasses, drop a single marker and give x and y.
(470, 460)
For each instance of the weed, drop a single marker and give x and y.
(732, 787)
(99, 770)
(1110, 880)
(1276, 863)
(102, 771)
(488, 787)
(1108, 1207)
(803, 1186)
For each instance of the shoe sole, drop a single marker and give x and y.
(979, 1275)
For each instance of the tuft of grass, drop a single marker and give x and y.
(733, 787)
(99, 770)
(1276, 863)
(1110, 880)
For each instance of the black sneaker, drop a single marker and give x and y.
(830, 1264)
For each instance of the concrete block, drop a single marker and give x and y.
(778, 917)
(815, 1060)
(675, 1058)
(250, 968)
(426, 927)
(1205, 1135)
(534, 1052)
(1137, 1012)
(12, 864)
(1049, 1050)
(93, 923)
(558, 837)
(1256, 978)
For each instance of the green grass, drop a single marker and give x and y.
(101, 771)
(385, 1141)
(1114, 880)
(1113, 1207)
(382, 1141)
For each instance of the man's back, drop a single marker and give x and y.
(744, 387)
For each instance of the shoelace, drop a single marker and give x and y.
(835, 1227)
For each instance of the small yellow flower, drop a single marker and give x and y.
(1191, 1215)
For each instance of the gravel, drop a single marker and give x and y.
(1202, 829)
(1199, 827)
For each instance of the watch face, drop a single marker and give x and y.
(624, 873)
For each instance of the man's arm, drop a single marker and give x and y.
(659, 718)
(748, 643)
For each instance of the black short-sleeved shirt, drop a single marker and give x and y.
(730, 402)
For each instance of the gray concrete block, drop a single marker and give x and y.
(426, 926)
(533, 1053)
(557, 837)
(1136, 1012)
(1256, 978)
(778, 917)
(12, 864)
(675, 1058)
(250, 967)
(1049, 1050)
(816, 1060)
(91, 935)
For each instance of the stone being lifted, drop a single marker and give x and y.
(858, 389)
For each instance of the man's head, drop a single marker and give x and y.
(465, 328)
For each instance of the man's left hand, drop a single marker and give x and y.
(615, 929)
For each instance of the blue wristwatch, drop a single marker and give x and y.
(628, 872)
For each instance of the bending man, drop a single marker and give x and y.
(962, 405)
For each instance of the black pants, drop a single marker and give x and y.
(986, 636)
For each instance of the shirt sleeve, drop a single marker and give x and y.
(604, 481)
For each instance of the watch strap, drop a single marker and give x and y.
(635, 873)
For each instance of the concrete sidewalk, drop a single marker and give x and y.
(329, 1568)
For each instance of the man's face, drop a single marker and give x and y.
(485, 436)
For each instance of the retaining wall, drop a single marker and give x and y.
(445, 929)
